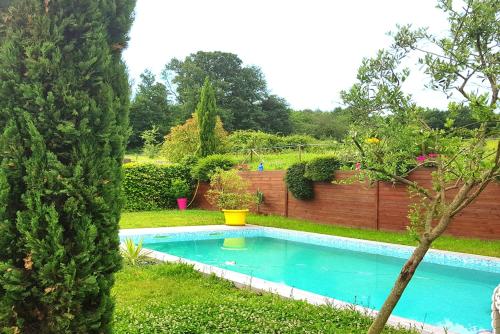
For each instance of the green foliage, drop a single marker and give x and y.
(149, 187)
(321, 124)
(64, 101)
(460, 118)
(133, 254)
(249, 139)
(205, 167)
(180, 188)
(186, 301)
(207, 117)
(300, 187)
(242, 97)
(183, 140)
(150, 108)
(276, 116)
(321, 168)
(454, 63)
(229, 191)
(151, 147)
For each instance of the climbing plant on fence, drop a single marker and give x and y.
(148, 187)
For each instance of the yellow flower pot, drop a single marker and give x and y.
(235, 217)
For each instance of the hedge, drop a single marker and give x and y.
(205, 167)
(321, 169)
(298, 184)
(147, 186)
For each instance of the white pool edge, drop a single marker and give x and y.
(242, 280)
(286, 291)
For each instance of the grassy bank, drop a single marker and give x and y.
(175, 299)
(201, 217)
(271, 161)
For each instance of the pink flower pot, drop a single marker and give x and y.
(182, 203)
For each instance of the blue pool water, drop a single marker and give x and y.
(446, 296)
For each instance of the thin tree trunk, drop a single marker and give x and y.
(401, 283)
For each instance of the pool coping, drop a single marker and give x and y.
(254, 283)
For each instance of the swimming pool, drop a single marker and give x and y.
(448, 290)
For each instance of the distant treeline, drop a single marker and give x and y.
(243, 101)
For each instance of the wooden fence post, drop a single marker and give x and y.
(286, 199)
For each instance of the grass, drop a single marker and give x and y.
(169, 218)
(201, 217)
(141, 158)
(278, 161)
(271, 161)
(175, 299)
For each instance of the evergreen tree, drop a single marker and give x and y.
(64, 98)
(207, 117)
(149, 108)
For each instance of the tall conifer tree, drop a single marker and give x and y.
(63, 121)
(207, 117)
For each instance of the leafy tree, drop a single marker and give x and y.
(207, 117)
(462, 118)
(240, 90)
(321, 124)
(276, 115)
(64, 99)
(150, 107)
(468, 55)
(183, 140)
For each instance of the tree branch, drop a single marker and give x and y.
(491, 78)
(485, 180)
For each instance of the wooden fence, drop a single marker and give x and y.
(380, 206)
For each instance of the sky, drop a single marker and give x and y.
(308, 50)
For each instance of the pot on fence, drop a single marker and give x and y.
(182, 203)
(235, 217)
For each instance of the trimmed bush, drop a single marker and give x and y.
(207, 166)
(149, 187)
(298, 184)
(321, 169)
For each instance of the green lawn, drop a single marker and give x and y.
(278, 161)
(201, 217)
(175, 299)
(271, 161)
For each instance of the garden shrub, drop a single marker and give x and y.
(148, 186)
(298, 184)
(208, 165)
(229, 191)
(248, 139)
(183, 140)
(180, 188)
(321, 169)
